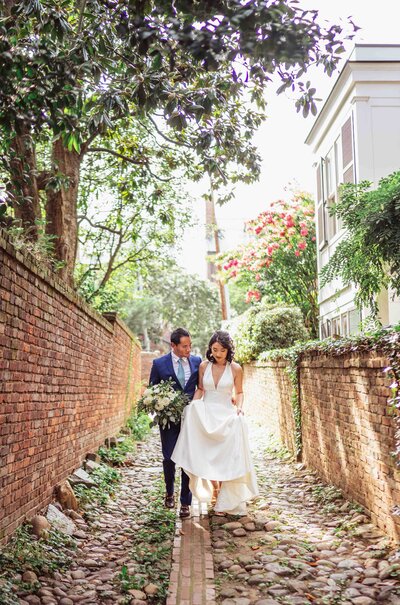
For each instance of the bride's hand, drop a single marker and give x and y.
(239, 411)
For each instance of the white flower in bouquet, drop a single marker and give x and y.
(164, 403)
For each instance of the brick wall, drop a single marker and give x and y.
(68, 379)
(267, 390)
(347, 430)
(147, 361)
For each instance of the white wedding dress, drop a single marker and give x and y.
(213, 444)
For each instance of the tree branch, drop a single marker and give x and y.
(164, 136)
(99, 225)
(116, 154)
(86, 144)
(81, 12)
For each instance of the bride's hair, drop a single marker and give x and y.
(225, 341)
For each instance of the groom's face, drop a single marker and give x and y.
(183, 348)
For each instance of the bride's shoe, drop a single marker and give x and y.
(216, 488)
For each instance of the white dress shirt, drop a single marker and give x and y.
(185, 365)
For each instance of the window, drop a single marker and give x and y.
(345, 324)
(321, 218)
(335, 168)
(336, 326)
(332, 183)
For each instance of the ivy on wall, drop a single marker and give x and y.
(385, 341)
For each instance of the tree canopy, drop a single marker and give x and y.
(74, 72)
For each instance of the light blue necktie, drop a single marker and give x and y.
(181, 373)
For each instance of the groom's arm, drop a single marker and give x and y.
(154, 375)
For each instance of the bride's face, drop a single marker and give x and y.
(218, 352)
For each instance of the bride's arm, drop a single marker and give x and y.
(238, 384)
(200, 390)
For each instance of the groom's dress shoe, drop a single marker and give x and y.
(169, 501)
(184, 513)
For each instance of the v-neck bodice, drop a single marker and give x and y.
(223, 390)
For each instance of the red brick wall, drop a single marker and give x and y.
(348, 432)
(147, 362)
(267, 391)
(68, 380)
(347, 429)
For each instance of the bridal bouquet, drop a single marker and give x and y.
(163, 403)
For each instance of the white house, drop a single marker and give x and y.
(355, 137)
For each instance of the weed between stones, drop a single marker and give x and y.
(52, 552)
(107, 480)
(152, 548)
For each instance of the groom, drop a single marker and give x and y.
(183, 368)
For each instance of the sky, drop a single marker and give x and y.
(286, 159)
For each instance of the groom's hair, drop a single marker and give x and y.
(177, 335)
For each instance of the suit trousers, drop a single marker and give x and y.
(169, 437)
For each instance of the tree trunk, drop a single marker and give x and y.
(23, 186)
(61, 208)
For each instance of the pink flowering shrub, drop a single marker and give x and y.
(279, 264)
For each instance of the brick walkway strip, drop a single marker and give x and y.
(192, 573)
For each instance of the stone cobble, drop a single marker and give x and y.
(301, 543)
(105, 543)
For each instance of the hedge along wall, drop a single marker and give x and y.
(68, 380)
(347, 427)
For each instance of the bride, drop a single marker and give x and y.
(213, 445)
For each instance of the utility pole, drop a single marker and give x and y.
(212, 235)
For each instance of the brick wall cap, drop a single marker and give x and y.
(28, 261)
(113, 317)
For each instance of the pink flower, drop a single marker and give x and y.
(258, 277)
(302, 245)
(253, 294)
(313, 238)
(304, 232)
(297, 253)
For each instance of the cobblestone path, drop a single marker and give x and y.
(301, 543)
(105, 545)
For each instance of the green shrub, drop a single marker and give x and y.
(266, 327)
(139, 425)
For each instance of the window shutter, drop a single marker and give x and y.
(347, 143)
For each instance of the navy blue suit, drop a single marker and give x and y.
(163, 369)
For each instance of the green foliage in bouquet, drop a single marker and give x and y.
(163, 403)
